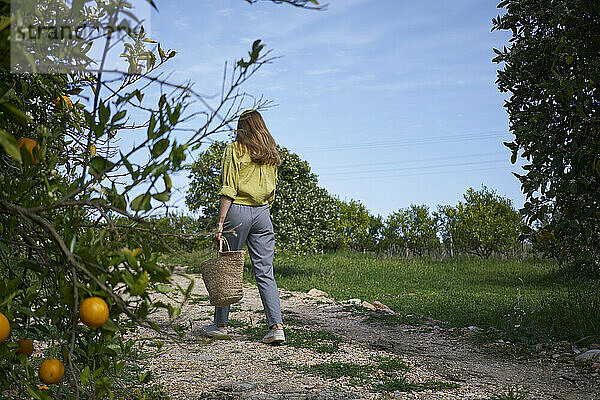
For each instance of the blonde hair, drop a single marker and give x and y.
(253, 136)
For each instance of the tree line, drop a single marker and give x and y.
(307, 218)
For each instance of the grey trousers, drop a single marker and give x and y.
(256, 230)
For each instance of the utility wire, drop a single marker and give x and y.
(405, 142)
(397, 162)
(470, 163)
(387, 176)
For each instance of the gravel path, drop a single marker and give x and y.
(244, 368)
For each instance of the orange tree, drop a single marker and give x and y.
(551, 68)
(74, 207)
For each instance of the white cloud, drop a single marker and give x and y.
(226, 12)
(322, 71)
(181, 24)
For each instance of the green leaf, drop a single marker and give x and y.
(99, 166)
(34, 393)
(9, 143)
(85, 375)
(17, 114)
(164, 196)
(151, 126)
(141, 283)
(163, 288)
(141, 202)
(118, 116)
(168, 182)
(104, 113)
(131, 260)
(160, 147)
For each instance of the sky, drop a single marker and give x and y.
(391, 102)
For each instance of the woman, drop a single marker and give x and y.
(248, 178)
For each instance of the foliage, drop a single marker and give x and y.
(358, 229)
(304, 214)
(552, 71)
(179, 233)
(413, 229)
(205, 181)
(75, 221)
(483, 225)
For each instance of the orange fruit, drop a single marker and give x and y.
(51, 371)
(25, 347)
(93, 312)
(4, 328)
(61, 100)
(29, 144)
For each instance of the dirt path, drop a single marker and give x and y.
(244, 368)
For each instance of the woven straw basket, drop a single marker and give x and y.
(223, 276)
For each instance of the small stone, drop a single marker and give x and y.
(355, 302)
(555, 356)
(474, 328)
(237, 386)
(595, 346)
(590, 355)
(570, 376)
(379, 306)
(317, 293)
(368, 306)
(565, 357)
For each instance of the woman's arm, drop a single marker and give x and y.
(223, 209)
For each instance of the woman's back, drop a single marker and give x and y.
(245, 181)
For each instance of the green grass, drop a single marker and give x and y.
(365, 375)
(336, 370)
(321, 341)
(387, 364)
(236, 323)
(529, 299)
(511, 394)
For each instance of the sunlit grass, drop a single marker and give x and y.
(529, 299)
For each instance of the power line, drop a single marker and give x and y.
(384, 176)
(350, 166)
(406, 142)
(416, 167)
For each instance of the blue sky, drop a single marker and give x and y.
(391, 102)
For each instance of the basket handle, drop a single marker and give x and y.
(221, 244)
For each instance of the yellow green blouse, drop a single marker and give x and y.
(245, 181)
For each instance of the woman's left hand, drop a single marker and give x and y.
(218, 233)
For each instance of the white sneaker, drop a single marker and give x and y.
(214, 331)
(275, 336)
